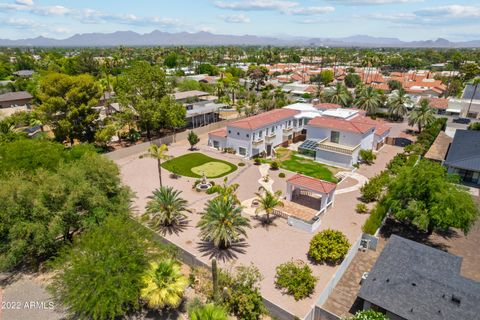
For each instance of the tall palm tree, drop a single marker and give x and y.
(421, 115)
(159, 153)
(339, 95)
(164, 285)
(398, 102)
(208, 312)
(268, 201)
(369, 100)
(222, 222)
(226, 190)
(166, 207)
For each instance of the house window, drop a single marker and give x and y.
(248, 136)
(238, 133)
(300, 122)
(229, 131)
(216, 144)
(334, 136)
(242, 151)
(260, 134)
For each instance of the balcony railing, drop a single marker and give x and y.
(270, 137)
(287, 129)
(257, 142)
(335, 147)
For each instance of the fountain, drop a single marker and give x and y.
(203, 185)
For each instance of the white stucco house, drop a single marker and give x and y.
(333, 136)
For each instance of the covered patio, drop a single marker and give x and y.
(310, 192)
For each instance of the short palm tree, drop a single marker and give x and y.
(226, 190)
(164, 285)
(159, 153)
(222, 222)
(422, 115)
(268, 201)
(398, 102)
(166, 207)
(208, 312)
(339, 95)
(369, 100)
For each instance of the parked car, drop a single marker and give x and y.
(462, 120)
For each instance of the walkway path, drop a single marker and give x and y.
(361, 180)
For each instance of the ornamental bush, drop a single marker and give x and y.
(296, 279)
(281, 175)
(361, 208)
(329, 246)
(372, 190)
(274, 165)
(367, 156)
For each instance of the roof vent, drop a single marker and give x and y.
(414, 284)
(456, 300)
(388, 280)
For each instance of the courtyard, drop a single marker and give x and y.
(279, 241)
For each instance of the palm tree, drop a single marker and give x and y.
(421, 115)
(369, 100)
(398, 102)
(339, 95)
(222, 222)
(226, 190)
(164, 285)
(268, 201)
(159, 153)
(166, 207)
(208, 312)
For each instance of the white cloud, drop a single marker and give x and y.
(311, 10)
(29, 6)
(251, 5)
(21, 23)
(235, 18)
(372, 2)
(24, 2)
(452, 11)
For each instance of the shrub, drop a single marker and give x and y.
(281, 175)
(361, 208)
(296, 279)
(274, 165)
(375, 219)
(241, 164)
(474, 126)
(367, 156)
(257, 161)
(328, 246)
(368, 315)
(372, 190)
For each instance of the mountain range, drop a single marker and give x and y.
(159, 38)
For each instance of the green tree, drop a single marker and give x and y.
(398, 102)
(257, 75)
(394, 85)
(368, 315)
(193, 139)
(172, 114)
(421, 115)
(329, 246)
(171, 60)
(143, 87)
(67, 103)
(324, 78)
(166, 207)
(222, 222)
(352, 80)
(425, 196)
(469, 71)
(296, 279)
(112, 257)
(267, 202)
(367, 156)
(104, 135)
(164, 284)
(369, 100)
(159, 153)
(338, 95)
(225, 190)
(206, 68)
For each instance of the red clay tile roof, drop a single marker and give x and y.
(219, 133)
(380, 126)
(340, 124)
(264, 119)
(439, 103)
(312, 183)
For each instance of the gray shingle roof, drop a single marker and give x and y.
(417, 282)
(13, 96)
(469, 90)
(24, 73)
(464, 150)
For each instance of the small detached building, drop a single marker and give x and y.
(24, 73)
(412, 281)
(14, 99)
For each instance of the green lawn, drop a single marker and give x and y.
(194, 164)
(289, 160)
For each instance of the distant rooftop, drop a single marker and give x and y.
(469, 91)
(340, 113)
(189, 94)
(417, 282)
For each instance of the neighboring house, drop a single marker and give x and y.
(12, 99)
(24, 73)
(334, 136)
(106, 97)
(187, 96)
(439, 104)
(463, 157)
(413, 281)
(203, 113)
(464, 107)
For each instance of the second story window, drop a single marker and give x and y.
(248, 136)
(334, 136)
(260, 134)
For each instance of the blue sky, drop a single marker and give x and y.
(404, 19)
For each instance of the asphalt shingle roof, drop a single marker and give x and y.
(417, 282)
